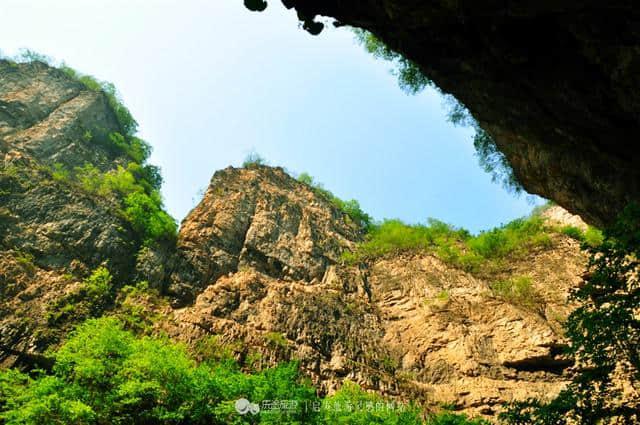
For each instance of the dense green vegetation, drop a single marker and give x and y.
(604, 337)
(454, 245)
(136, 190)
(412, 80)
(592, 236)
(104, 374)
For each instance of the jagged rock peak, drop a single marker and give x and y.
(261, 218)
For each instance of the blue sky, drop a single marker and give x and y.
(209, 82)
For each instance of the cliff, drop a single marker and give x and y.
(257, 270)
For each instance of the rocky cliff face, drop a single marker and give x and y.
(407, 325)
(51, 235)
(256, 272)
(555, 83)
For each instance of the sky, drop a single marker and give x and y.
(210, 82)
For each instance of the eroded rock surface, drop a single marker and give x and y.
(259, 218)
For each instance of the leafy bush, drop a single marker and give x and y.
(516, 236)
(351, 208)
(573, 232)
(453, 245)
(148, 219)
(133, 147)
(87, 300)
(253, 159)
(593, 237)
(394, 236)
(138, 306)
(59, 173)
(604, 336)
(136, 187)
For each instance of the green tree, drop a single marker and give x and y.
(604, 335)
(105, 375)
(145, 214)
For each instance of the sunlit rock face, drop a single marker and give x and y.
(557, 84)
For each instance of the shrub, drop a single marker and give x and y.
(133, 147)
(515, 237)
(593, 237)
(88, 300)
(148, 219)
(59, 173)
(573, 232)
(138, 307)
(253, 159)
(136, 187)
(395, 235)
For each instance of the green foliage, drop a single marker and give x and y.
(519, 290)
(277, 340)
(448, 418)
(453, 245)
(573, 232)
(593, 237)
(136, 187)
(515, 237)
(213, 350)
(25, 259)
(138, 307)
(133, 147)
(351, 208)
(88, 300)
(254, 160)
(148, 219)
(410, 77)
(394, 236)
(59, 173)
(104, 375)
(604, 336)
